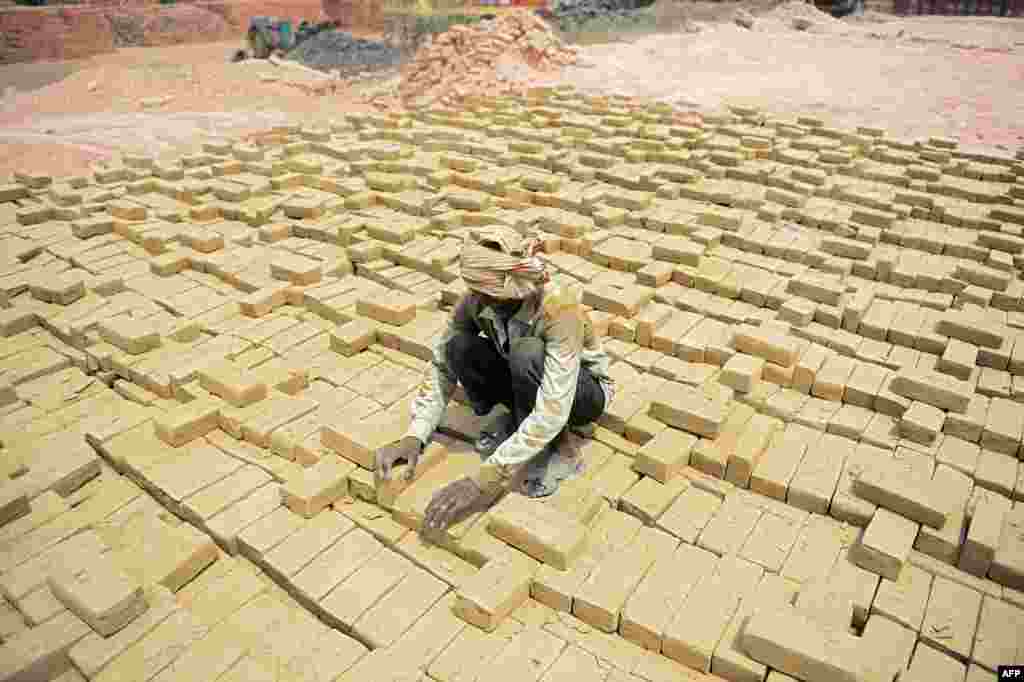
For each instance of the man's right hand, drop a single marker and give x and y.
(407, 449)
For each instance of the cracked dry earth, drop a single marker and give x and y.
(810, 469)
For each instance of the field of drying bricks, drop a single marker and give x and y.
(810, 470)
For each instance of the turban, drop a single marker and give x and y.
(502, 263)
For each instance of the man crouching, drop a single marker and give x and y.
(538, 356)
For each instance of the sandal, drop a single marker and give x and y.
(560, 461)
(494, 434)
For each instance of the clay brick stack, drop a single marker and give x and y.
(811, 468)
(462, 61)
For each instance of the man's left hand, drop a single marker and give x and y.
(449, 503)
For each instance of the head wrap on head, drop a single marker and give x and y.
(511, 270)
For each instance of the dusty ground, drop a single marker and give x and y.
(961, 77)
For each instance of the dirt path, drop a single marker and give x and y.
(958, 77)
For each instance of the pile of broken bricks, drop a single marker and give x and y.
(463, 61)
(810, 470)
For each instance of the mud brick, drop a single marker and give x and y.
(648, 499)
(267, 531)
(847, 505)
(930, 663)
(814, 552)
(1004, 424)
(438, 561)
(959, 454)
(303, 547)
(712, 456)
(279, 412)
(891, 645)
(317, 486)
(354, 337)
(959, 359)
(998, 635)
(545, 534)
(185, 423)
(967, 326)
(387, 492)
(612, 531)
(904, 600)
(14, 503)
(411, 505)
(100, 594)
(160, 647)
(729, 529)
(130, 335)
(44, 508)
(94, 651)
(602, 595)
(397, 611)
(263, 301)
(190, 470)
(358, 442)
(771, 541)
(395, 309)
(766, 343)
(885, 545)
(167, 555)
(864, 383)
(830, 381)
(202, 506)
(642, 428)
(742, 372)
(730, 661)
(368, 579)
(486, 599)
(779, 464)
(983, 535)
(688, 409)
(717, 596)
(932, 388)
(664, 456)
(903, 491)
(953, 488)
(296, 269)
(470, 652)
(41, 652)
(749, 449)
(654, 275)
(921, 423)
(649, 320)
(661, 593)
(951, 618)
(996, 471)
(232, 384)
(1008, 564)
(793, 643)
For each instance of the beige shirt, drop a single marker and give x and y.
(570, 345)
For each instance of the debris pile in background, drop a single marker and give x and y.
(569, 15)
(474, 60)
(331, 51)
(802, 16)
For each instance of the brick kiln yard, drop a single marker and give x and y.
(810, 470)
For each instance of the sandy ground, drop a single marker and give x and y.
(958, 77)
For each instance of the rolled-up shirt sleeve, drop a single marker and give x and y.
(562, 360)
(439, 382)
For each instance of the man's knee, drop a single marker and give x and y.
(526, 359)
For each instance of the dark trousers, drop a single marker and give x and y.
(490, 379)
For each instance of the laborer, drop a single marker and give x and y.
(538, 356)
